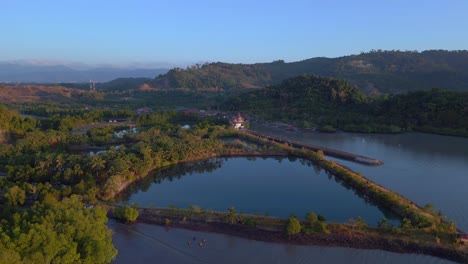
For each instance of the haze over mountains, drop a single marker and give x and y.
(58, 73)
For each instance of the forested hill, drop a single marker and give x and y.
(312, 101)
(375, 72)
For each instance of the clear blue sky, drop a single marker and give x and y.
(244, 31)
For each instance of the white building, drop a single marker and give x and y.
(238, 122)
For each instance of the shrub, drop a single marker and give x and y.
(327, 128)
(320, 228)
(321, 218)
(248, 221)
(357, 223)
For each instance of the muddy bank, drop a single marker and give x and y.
(344, 238)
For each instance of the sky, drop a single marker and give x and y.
(176, 32)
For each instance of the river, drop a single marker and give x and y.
(424, 168)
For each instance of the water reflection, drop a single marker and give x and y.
(273, 186)
(170, 173)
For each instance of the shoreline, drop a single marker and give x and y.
(426, 130)
(340, 237)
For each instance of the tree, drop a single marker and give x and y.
(97, 164)
(357, 223)
(314, 225)
(383, 223)
(406, 223)
(320, 153)
(232, 215)
(126, 214)
(15, 196)
(293, 226)
(429, 208)
(311, 218)
(57, 232)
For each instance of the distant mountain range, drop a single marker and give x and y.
(374, 72)
(24, 72)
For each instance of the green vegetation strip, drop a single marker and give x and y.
(314, 230)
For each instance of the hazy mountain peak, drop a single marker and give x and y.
(45, 71)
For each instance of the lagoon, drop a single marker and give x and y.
(266, 186)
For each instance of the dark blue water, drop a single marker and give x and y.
(265, 186)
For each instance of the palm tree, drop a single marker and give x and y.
(59, 162)
(97, 164)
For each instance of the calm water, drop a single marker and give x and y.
(143, 243)
(424, 168)
(277, 187)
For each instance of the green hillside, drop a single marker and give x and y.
(312, 101)
(375, 72)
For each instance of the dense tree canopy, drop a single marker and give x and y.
(312, 101)
(56, 232)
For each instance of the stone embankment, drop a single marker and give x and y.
(327, 151)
